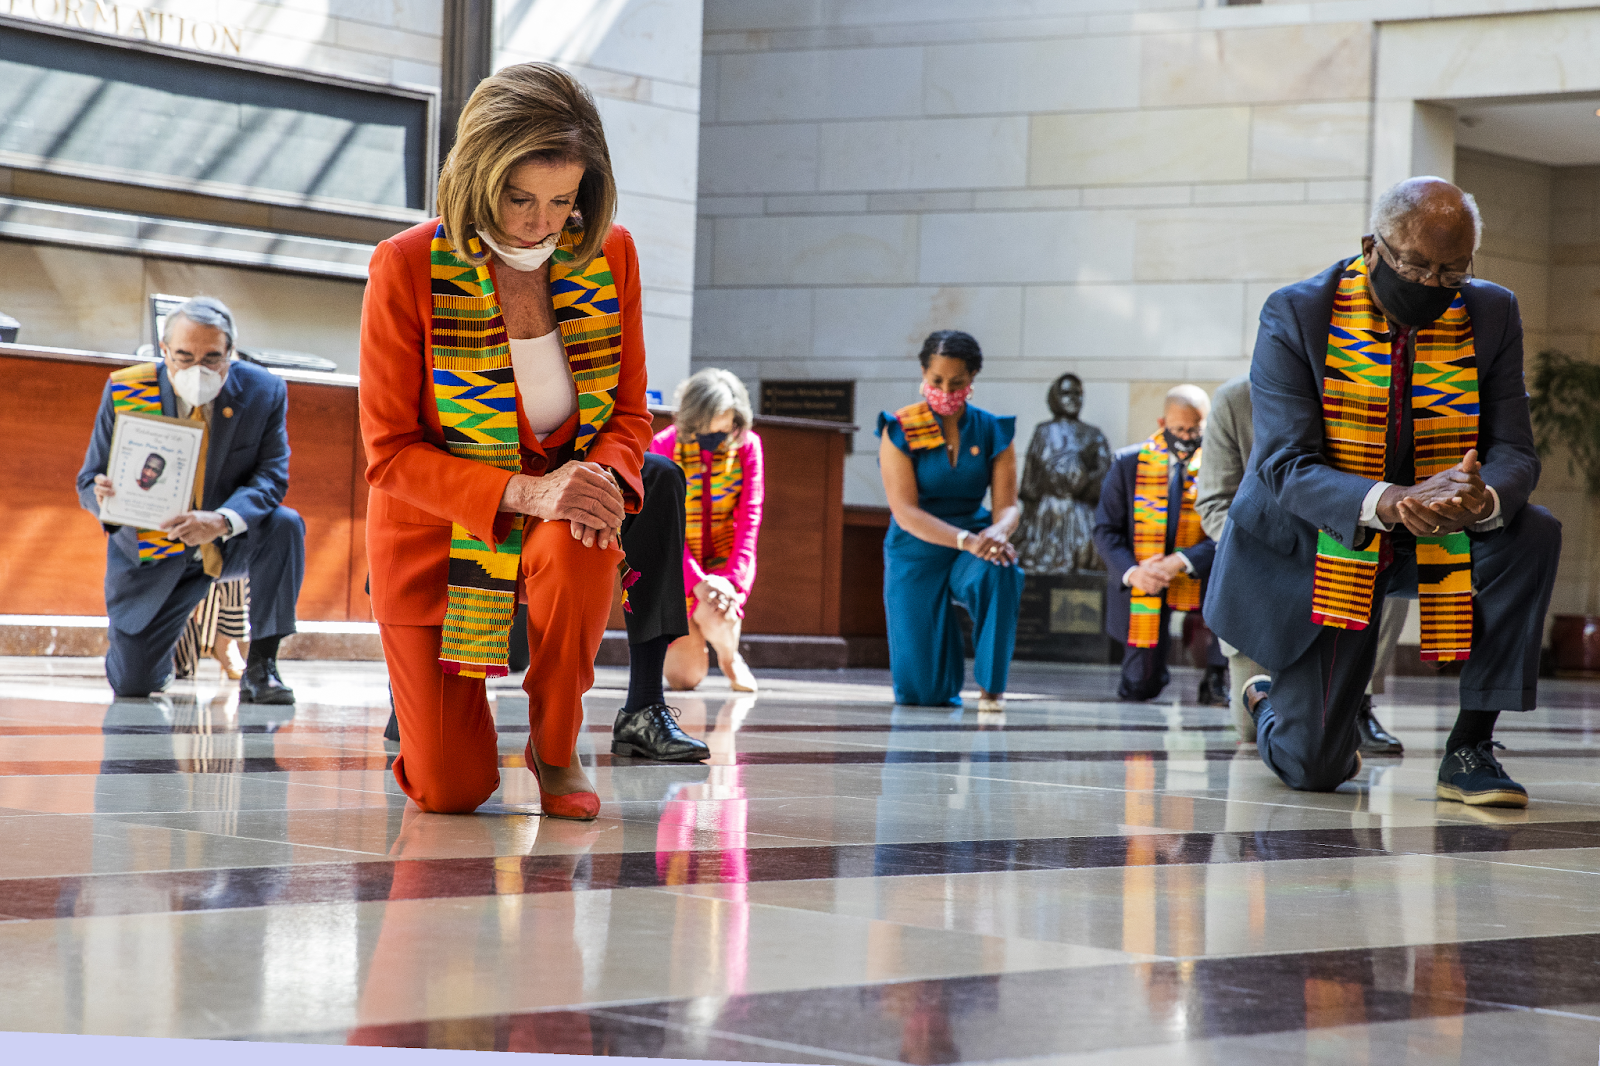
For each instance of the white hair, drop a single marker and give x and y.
(1401, 199)
(704, 396)
(1191, 396)
(202, 311)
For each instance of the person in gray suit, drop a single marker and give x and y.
(1229, 438)
(1298, 501)
(239, 527)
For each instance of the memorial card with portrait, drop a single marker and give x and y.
(152, 467)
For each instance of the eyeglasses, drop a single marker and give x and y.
(210, 362)
(1450, 279)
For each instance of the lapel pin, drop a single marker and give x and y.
(974, 449)
(227, 412)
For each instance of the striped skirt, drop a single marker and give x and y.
(221, 614)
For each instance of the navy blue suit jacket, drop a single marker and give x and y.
(247, 471)
(1260, 596)
(1113, 537)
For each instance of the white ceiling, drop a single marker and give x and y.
(1563, 132)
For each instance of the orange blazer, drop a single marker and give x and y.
(418, 487)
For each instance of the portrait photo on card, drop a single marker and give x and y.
(152, 467)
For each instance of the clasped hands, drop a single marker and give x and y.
(191, 527)
(1154, 574)
(582, 493)
(992, 545)
(718, 592)
(1447, 502)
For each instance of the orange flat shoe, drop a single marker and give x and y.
(577, 806)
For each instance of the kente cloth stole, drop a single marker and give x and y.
(1152, 479)
(921, 427)
(1355, 419)
(137, 390)
(475, 390)
(727, 480)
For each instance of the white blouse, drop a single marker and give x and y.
(544, 382)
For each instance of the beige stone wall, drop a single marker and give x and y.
(1113, 193)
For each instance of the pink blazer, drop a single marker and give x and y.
(740, 569)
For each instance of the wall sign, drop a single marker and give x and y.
(125, 20)
(831, 401)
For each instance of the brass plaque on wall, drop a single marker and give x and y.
(1075, 611)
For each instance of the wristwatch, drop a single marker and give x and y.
(961, 540)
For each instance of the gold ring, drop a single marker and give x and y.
(1435, 530)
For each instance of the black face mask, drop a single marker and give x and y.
(1183, 448)
(710, 442)
(1409, 303)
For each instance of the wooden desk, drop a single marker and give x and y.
(53, 552)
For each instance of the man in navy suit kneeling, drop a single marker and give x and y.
(1393, 452)
(238, 526)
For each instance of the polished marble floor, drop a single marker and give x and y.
(1075, 880)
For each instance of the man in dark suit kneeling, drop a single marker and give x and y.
(1147, 530)
(1392, 452)
(238, 526)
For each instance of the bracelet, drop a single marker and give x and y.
(961, 540)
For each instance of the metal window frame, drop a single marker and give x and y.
(224, 190)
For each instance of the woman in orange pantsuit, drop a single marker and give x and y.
(503, 412)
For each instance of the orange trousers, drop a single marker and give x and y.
(449, 760)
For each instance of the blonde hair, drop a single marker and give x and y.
(705, 395)
(527, 113)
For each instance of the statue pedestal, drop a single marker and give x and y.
(1063, 619)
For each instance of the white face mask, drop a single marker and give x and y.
(198, 385)
(524, 259)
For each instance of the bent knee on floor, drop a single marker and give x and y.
(448, 796)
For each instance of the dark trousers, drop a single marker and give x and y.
(1306, 730)
(1144, 670)
(271, 553)
(653, 542)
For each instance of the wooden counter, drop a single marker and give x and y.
(52, 552)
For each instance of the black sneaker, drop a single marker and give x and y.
(652, 733)
(1472, 775)
(1375, 740)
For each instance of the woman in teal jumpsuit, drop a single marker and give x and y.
(938, 459)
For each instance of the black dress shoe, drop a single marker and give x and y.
(1472, 775)
(652, 733)
(261, 684)
(1375, 740)
(392, 730)
(1213, 687)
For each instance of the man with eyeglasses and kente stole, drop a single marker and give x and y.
(237, 526)
(1393, 452)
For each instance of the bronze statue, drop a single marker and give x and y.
(1067, 461)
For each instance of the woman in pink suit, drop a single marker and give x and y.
(720, 456)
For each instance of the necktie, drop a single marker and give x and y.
(1174, 500)
(210, 554)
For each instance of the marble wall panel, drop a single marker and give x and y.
(1245, 243)
(1267, 65)
(796, 86)
(758, 158)
(816, 250)
(772, 325)
(924, 154)
(731, 16)
(1508, 55)
(656, 148)
(1029, 77)
(1134, 322)
(1010, 247)
(1309, 140)
(862, 324)
(1189, 144)
(642, 38)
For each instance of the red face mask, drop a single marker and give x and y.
(945, 403)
